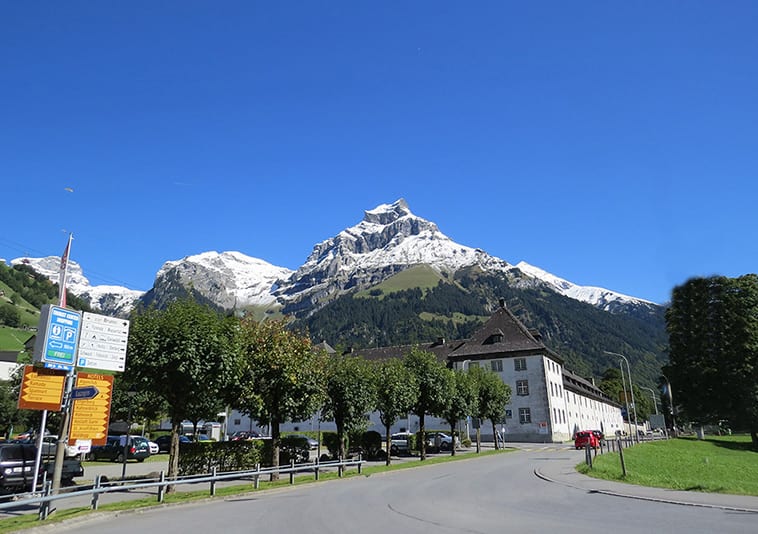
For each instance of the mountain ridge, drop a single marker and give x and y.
(388, 240)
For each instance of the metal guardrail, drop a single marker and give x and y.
(100, 486)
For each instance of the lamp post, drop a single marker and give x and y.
(130, 394)
(671, 404)
(652, 394)
(631, 390)
(464, 367)
(626, 399)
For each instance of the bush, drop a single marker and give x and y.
(330, 441)
(201, 457)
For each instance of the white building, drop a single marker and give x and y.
(548, 403)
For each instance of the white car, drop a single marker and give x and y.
(154, 448)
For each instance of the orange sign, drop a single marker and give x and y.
(41, 389)
(89, 420)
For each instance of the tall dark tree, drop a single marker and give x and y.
(713, 342)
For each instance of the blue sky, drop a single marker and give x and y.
(609, 143)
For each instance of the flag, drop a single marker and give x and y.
(63, 270)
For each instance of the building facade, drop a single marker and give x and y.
(549, 404)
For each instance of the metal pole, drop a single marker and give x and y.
(67, 406)
(652, 394)
(631, 390)
(671, 404)
(626, 400)
(38, 456)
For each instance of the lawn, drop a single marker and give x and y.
(717, 464)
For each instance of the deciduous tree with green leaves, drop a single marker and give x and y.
(350, 394)
(281, 376)
(435, 387)
(180, 354)
(396, 393)
(463, 401)
(492, 397)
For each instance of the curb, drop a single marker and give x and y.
(546, 478)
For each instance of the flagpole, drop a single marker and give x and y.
(60, 450)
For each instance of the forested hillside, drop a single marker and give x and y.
(577, 331)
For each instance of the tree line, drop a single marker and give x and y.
(189, 362)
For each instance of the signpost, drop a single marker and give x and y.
(84, 393)
(41, 389)
(89, 420)
(103, 342)
(56, 349)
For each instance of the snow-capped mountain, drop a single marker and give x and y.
(227, 279)
(110, 300)
(599, 297)
(388, 240)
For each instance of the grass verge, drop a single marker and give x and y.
(718, 464)
(26, 521)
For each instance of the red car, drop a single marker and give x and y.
(586, 437)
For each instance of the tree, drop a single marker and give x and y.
(281, 377)
(435, 387)
(463, 401)
(396, 393)
(713, 350)
(179, 355)
(350, 394)
(492, 396)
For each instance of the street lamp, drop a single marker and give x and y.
(631, 390)
(464, 367)
(671, 404)
(626, 399)
(652, 394)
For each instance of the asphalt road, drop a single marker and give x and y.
(491, 494)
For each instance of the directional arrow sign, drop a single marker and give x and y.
(84, 393)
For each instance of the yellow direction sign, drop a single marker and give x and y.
(41, 389)
(89, 420)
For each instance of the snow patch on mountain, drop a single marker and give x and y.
(227, 278)
(597, 296)
(107, 299)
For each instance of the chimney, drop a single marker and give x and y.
(502, 303)
(440, 341)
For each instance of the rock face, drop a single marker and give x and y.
(388, 240)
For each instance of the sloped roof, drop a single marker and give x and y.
(504, 335)
(577, 384)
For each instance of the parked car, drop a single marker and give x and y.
(154, 449)
(586, 437)
(164, 442)
(244, 435)
(312, 443)
(17, 462)
(400, 443)
(599, 435)
(137, 448)
(441, 441)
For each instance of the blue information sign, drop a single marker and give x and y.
(61, 336)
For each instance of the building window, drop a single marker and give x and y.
(522, 387)
(519, 364)
(509, 414)
(524, 415)
(497, 365)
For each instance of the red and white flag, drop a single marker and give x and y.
(63, 271)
